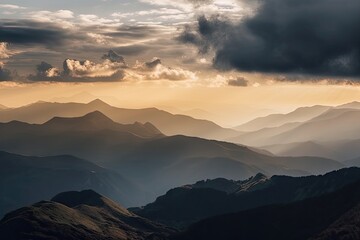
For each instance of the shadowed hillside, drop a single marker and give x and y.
(78, 215)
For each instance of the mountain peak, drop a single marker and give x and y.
(259, 176)
(91, 119)
(96, 115)
(98, 102)
(74, 198)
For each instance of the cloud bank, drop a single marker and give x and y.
(285, 36)
(113, 68)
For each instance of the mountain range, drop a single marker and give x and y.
(185, 205)
(332, 216)
(140, 153)
(332, 132)
(169, 124)
(317, 208)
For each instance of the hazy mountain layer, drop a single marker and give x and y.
(139, 153)
(275, 120)
(25, 180)
(168, 123)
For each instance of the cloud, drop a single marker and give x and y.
(5, 74)
(284, 36)
(155, 70)
(114, 57)
(153, 63)
(4, 53)
(79, 71)
(183, 4)
(113, 68)
(11, 7)
(30, 32)
(238, 82)
(161, 72)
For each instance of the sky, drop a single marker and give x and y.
(228, 60)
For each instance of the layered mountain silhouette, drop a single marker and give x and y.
(182, 206)
(275, 120)
(316, 208)
(2, 107)
(330, 216)
(168, 123)
(140, 153)
(78, 215)
(333, 132)
(25, 180)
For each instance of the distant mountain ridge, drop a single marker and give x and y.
(276, 120)
(155, 162)
(334, 133)
(167, 123)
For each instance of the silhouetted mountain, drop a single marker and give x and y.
(169, 124)
(158, 163)
(78, 215)
(98, 121)
(25, 180)
(275, 120)
(297, 221)
(345, 228)
(182, 206)
(2, 107)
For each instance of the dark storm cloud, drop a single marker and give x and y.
(31, 32)
(286, 36)
(239, 82)
(114, 57)
(153, 63)
(5, 74)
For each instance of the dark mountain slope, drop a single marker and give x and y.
(347, 227)
(296, 221)
(82, 215)
(181, 206)
(25, 180)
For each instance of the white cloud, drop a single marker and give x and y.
(78, 69)
(162, 72)
(99, 38)
(91, 19)
(4, 53)
(11, 7)
(50, 16)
